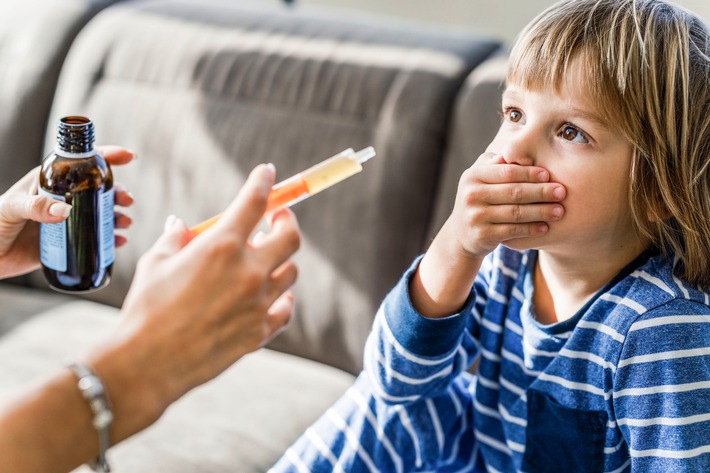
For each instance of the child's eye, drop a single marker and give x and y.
(574, 134)
(514, 115)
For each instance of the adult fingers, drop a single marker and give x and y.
(122, 197)
(243, 214)
(116, 155)
(282, 242)
(175, 236)
(120, 240)
(121, 220)
(282, 278)
(279, 315)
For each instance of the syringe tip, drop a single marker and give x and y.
(365, 154)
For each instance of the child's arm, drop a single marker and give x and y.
(496, 202)
(426, 331)
(662, 390)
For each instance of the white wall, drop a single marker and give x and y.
(500, 18)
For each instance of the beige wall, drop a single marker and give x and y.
(501, 18)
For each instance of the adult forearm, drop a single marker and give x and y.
(48, 428)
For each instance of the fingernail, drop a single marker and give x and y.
(134, 154)
(59, 209)
(543, 176)
(557, 211)
(559, 192)
(268, 172)
(169, 222)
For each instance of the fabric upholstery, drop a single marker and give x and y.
(475, 122)
(34, 38)
(204, 91)
(241, 422)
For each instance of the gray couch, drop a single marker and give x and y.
(204, 90)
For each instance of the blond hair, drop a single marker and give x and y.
(647, 64)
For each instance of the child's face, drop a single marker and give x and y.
(565, 134)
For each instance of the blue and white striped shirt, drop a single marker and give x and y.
(624, 385)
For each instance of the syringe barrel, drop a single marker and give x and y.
(330, 172)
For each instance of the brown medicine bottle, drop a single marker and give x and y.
(77, 255)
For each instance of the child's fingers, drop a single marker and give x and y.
(526, 213)
(503, 173)
(519, 193)
(503, 232)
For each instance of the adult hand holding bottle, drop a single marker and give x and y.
(21, 211)
(196, 306)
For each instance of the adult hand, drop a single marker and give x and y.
(198, 304)
(21, 211)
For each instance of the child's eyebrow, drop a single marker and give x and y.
(510, 94)
(590, 116)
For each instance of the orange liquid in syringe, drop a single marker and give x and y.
(302, 185)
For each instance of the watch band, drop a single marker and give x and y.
(93, 390)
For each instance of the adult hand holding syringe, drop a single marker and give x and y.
(309, 182)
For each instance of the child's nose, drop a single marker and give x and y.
(519, 149)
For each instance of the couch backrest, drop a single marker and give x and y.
(475, 121)
(205, 90)
(35, 36)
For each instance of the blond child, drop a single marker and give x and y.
(575, 267)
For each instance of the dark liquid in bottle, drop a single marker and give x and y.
(82, 182)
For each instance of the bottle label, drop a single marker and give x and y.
(107, 252)
(53, 240)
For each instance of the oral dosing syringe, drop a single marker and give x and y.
(309, 182)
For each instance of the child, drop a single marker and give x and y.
(574, 267)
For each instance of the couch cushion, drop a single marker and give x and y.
(204, 90)
(34, 38)
(242, 421)
(475, 122)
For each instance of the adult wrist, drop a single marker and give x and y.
(94, 392)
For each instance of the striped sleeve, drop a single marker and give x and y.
(662, 390)
(409, 356)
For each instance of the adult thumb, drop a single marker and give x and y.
(19, 208)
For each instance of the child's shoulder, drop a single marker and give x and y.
(655, 283)
(651, 296)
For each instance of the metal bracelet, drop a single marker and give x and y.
(93, 390)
